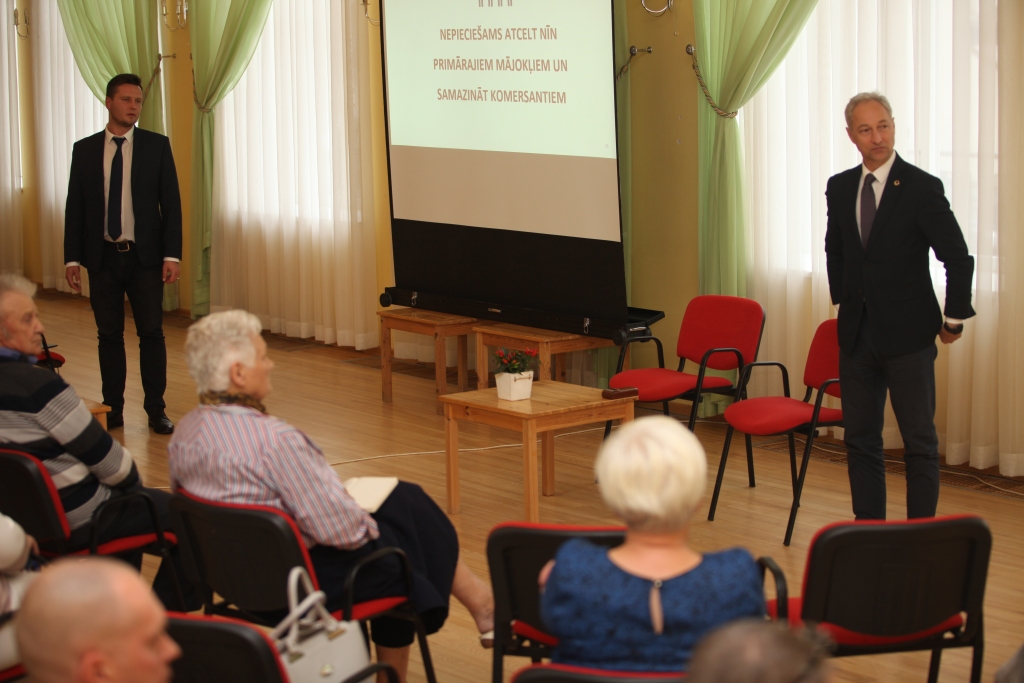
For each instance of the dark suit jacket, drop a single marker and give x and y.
(891, 278)
(155, 198)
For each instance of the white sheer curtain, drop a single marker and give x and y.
(11, 252)
(936, 62)
(65, 111)
(293, 238)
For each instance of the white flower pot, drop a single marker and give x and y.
(514, 387)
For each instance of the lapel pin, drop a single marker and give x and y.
(896, 183)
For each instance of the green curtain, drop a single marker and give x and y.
(740, 43)
(224, 36)
(110, 37)
(607, 358)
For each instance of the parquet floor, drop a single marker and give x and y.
(339, 405)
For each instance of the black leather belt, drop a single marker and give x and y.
(122, 247)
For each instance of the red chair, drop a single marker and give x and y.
(516, 552)
(49, 359)
(717, 332)
(770, 415)
(15, 673)
(876, 587)
(561, 673)
(244, 553)
(223, 649)
(29, 497)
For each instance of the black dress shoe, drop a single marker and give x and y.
(115, 420)
(160, 423)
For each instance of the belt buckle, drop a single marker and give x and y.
(127, 246)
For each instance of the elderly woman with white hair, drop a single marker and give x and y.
(643, 605)
(229, 450)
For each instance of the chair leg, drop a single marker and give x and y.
(693, 413)
(664, 408)
(976, 658)
(165, 555)
(799, 489)
(933, 667)
(750, 460)
(792, 460)
(428, 663)
(607, 428)
(498, 663)
(721, 473)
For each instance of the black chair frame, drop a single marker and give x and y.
(810, 430)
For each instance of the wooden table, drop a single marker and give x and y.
(553, 405)
(440, 326)
(98, 410)
(547, 342)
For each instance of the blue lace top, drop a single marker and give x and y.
(601, 614)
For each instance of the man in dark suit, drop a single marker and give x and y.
(884, 216)
(123, 223)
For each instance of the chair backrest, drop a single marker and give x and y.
(216, 649)
(897, 578)
(243, 553)
(517, 551)
(561, 673)
(715, 321)
(823, 358)
(29, 497)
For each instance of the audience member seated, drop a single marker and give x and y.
(759, 651)
(229, 450)
(15, 549)
(90, 620)
(1013, 670)
(41, 415)
(644, 605)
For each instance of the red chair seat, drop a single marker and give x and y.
(843, 636)
(524, 630)
(366, 610)
(662, 384)
(15, 672)
(775, 414)
(601, 673)
(123, 545)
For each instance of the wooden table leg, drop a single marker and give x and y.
(545, 360)
(481, 362)
(530, 471)
(385, 360)
(560, 367)
(440, 369)
(451, 468)
(547, 459)
(628, 416)
(463, 361)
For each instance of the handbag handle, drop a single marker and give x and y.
(304, 617)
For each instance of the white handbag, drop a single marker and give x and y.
(314, 646)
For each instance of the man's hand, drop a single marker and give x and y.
(947, 337)
(73, 274)
(172, 269)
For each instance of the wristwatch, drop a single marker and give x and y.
(956, 329)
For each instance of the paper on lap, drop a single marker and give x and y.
(370, 492)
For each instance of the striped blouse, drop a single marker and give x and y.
(236, 454)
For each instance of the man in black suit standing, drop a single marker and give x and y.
(884, 216)
(123, 223)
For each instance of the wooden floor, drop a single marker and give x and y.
(338, 404)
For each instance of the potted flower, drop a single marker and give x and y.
(514, 378)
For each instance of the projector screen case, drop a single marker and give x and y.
(505, 207)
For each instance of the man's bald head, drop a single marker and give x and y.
(758, 651)
(93, 619)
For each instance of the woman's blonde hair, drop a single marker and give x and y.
(652, 473)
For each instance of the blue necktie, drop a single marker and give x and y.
(114, 200)
(867, 209)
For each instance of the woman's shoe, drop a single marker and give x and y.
(487, 639)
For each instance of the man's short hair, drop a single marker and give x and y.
(10, 282)
(758, 651)
(862, 97)
(122, 79)
(652, 473)
(217, 342)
